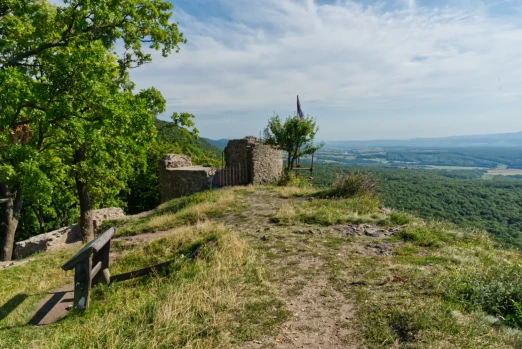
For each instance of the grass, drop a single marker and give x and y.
(177, 212)
(218, 300)
(445, 288)
(438, 287)
(325, 212)
(24, 286)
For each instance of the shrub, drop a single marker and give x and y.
(422, 236)
(290, 179)
(496, 290)
(354, 183)
(400, 218)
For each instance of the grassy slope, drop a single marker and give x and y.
(438, 287)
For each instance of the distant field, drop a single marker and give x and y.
(506, 172)
(456, 168)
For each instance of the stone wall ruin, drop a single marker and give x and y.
(64, 236)
(263, 162)
(252, 161)
(178, 177)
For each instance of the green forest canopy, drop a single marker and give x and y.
(461, 197)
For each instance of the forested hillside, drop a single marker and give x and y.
(220, 143)
(460, 196)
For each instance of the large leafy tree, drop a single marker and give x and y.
(294, 135)
(62, 88)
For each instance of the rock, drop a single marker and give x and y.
(63, 236)
(264, 238)
(382, 248)
(103, 214)
(175, 161)
(301, 232)
(374, 232)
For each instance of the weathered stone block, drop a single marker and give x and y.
(263, 163)
(63, 236)
(183, 181)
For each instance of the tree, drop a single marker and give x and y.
(178, 137)
(295, 136)
(41, 81)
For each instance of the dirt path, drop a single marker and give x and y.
(319, 315)
(313, 270)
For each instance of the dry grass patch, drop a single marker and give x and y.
(187, 210)
(22, 287)
(215, 301)
(291, 191)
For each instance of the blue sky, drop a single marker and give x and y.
(365, 69)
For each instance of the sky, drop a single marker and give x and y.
(365, 69)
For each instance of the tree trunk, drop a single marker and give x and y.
(86, 224)
(40, 216)
(11, 212)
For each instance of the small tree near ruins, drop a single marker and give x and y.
(295, 136)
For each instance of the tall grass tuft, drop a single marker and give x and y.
(196, 305)
(355, 183)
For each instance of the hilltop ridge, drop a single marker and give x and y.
(292, 268)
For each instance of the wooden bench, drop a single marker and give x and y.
(91, 266)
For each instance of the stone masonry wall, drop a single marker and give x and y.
(170, 161)
(179, 178)
(237, 153)
(263, 162)
(267, 164)
(63, 236)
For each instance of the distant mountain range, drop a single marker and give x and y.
(490, 140)
(220, 143)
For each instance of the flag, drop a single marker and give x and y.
(299, 111)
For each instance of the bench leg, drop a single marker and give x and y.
(102, 256)
(82, 284)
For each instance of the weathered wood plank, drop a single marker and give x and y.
(86, 251)
(102, 257)
(82, 284)
(95, 270)
(107, 276)
(103, 239)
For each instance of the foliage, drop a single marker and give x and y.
(295, 136)
(143, 192)
(65, 92)
(354, 183)
(495, 289)
(290, 179)
(440, 195)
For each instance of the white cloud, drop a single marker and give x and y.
(344, 60)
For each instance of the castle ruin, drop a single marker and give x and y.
(248, 161)
(263, 162)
